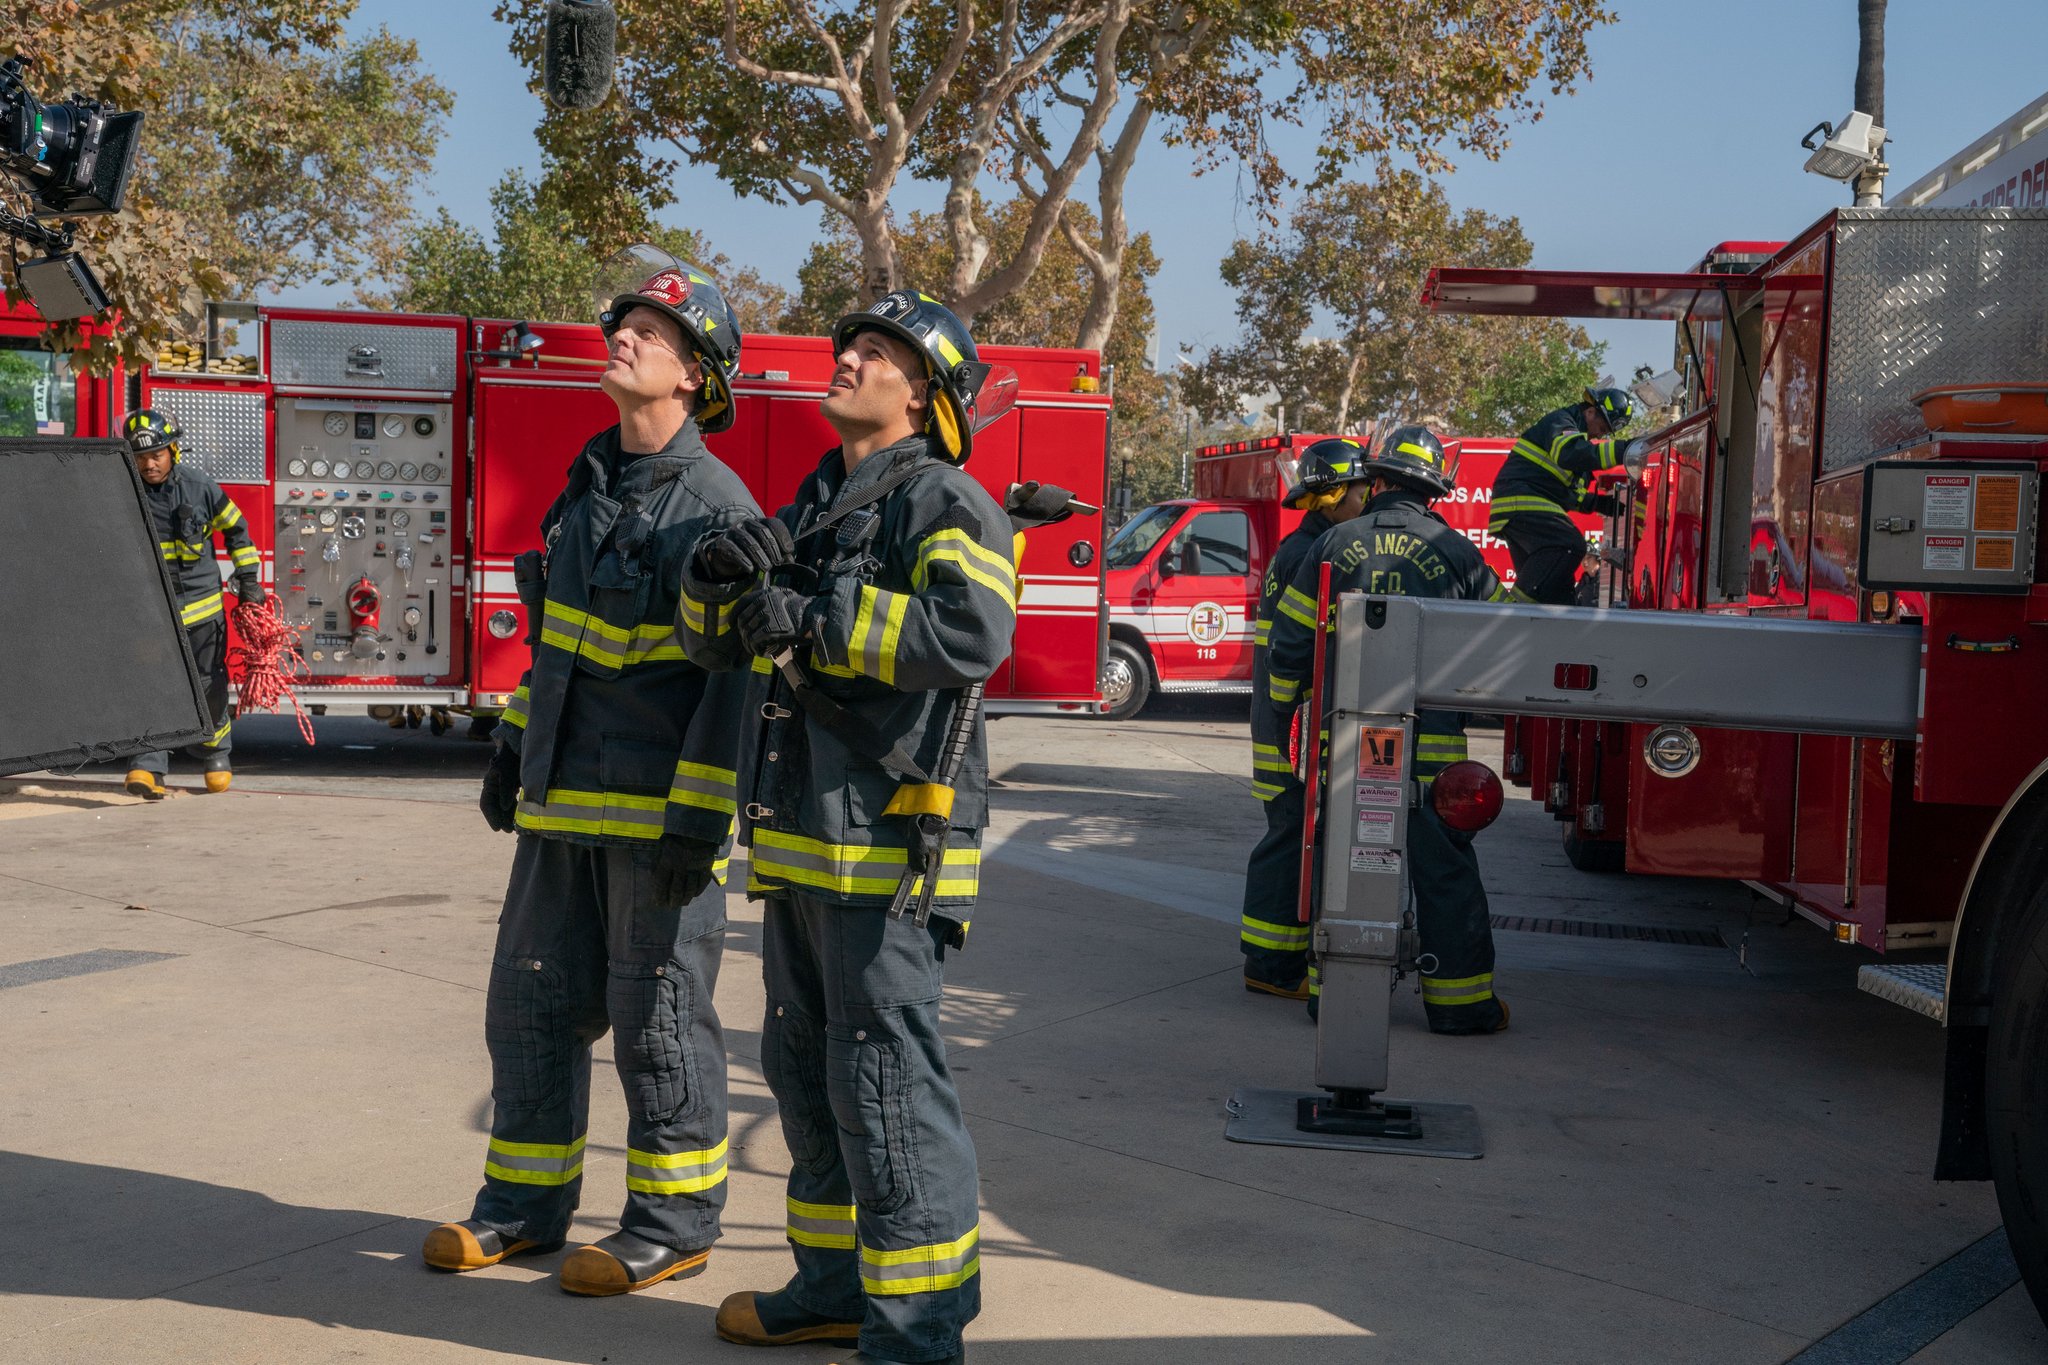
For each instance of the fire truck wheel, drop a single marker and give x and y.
(1592, 855)
(1126, 680)
(2016, 1090)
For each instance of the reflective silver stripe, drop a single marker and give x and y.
(534, 1163)
(605, 813)
(675, 1172)
(702, 785)
(821, 1225)
(921, 1270)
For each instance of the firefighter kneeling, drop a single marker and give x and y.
(1398, 547)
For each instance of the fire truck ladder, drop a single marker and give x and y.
(1396, 655)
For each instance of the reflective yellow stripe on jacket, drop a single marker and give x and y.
(966, 554)
(783, 859)
(601, 642)
(205, 609)
(704, 786)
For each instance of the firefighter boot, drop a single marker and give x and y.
(1297, 991)
(146, 784)
(751, 1319)
(470, 1245)
(217, 779)
(622, 1263)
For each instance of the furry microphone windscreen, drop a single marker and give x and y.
(582, 38)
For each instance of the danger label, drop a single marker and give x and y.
(1947, 502)
(1998, 504)
(1375, 827)
(1993, 553)
(1382, 861)
(1379, 794)
(1379, 753)
(1943, 552)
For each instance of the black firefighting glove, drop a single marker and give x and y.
(770, 619)
(682, 869)
(250, 591)
(1034, 504)
(500, 796)
(761, 545)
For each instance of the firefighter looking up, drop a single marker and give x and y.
(189, 509)
(887, 588)
(1398, 547)
(614, 763)
(1331, 489)
(1545, 479)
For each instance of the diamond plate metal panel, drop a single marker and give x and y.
(1924, 297)
(364, 355)
(1919, 986)
(223, 430)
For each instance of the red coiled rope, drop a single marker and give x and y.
(265, 660)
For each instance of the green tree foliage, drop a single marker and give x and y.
(539, 266)
(836, 106)
(1351, 264)
(273, 149)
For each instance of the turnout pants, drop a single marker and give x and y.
(1546, 552)
(1451, 917)
(883, 1201)
(209, 641)
(583, 946)
(1274, 942)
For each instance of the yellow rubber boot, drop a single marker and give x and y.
(145, 785)
(218, 780)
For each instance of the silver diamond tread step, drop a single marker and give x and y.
(1919, 986)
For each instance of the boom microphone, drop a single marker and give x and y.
(576, 68)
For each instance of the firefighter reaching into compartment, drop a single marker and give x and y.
(1398, 547)
(864, 611)
(189, 510)
(1331, 489)
(615, 765)
(1547, 477)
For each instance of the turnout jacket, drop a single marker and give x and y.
(915, 599)
(622, 739)
(1548, 472)
(189, 509)
(1271, 772)
(1397, 547)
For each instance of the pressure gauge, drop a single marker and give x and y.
(387, 471)
(409, 472)
(319, 469)
(401, 519)
(336, 424)
(341, 469)
(431, 473)
(423, 425)
(394, 426)
(328, 516)
(296, 468)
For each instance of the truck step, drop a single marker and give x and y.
(1920, 986)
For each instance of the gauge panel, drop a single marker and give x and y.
(336, 424)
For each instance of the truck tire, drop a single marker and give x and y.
(2016, 1090)
(1592, 855)
(1126, 680)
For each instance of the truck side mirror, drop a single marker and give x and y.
(1169, 560)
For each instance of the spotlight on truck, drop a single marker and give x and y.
(1849, 149)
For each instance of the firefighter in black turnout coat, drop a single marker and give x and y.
(189, 510)
(864, 611)
(1399, 547)
(1545, 479)
(1330, 489)
(615, 764)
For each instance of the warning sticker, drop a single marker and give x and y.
(1947, 502)
(1380, 860)
(1379, 794)
(1375, 827)
(1992, 552)
(1943, 552)
(1998, 503)
(1379, 753)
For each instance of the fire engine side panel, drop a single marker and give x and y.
(1060, 601)
(1985, 693)
(1731, 816)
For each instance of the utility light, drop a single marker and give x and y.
(1850, 147)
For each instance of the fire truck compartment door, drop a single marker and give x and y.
(1954, 525)
(1579, 293)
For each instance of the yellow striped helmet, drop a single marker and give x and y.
(951, 361)
(1414, 458)
(1327, 468)
(647, 275)
(146, 429)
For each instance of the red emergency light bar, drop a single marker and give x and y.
(1241, 447)
(1578, 293)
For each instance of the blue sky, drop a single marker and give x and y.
(1687, 135)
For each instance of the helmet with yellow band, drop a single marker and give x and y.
(146, 429)
(647, 276)
(966, 394)
(1413, 458)
(1325, 470)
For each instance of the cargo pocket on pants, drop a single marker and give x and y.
(525, 1028)
(791, 1048)
(650, 1008)
(864, 1081)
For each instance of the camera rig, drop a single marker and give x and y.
(71, 160)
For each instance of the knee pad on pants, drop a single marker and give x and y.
(650, 1008)
(793, 1060)
(528, 1031)
(867, 1083)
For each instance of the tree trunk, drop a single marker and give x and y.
(1344, 394)
(1870, 59)
(878, 264)
(1105, 260)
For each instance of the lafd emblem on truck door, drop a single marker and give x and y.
(1207, 622)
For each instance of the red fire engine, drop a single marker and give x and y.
(391, 465)
(1848, 508)
(1183, 576)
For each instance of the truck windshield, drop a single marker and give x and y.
(1138, 536)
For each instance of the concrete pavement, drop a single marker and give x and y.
(230, 1152)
